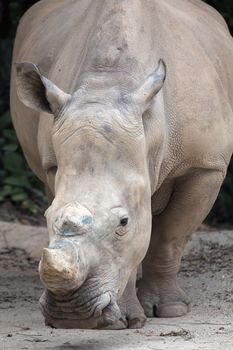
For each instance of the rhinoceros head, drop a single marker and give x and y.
(99, 222)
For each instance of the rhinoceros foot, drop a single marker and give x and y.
(132, 313)
(164, 299)
(132, 316)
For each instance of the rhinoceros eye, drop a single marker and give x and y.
(122, 227)
(124, 221)
(120, 219)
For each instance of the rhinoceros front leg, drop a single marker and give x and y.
(190, 202)
(132, 313)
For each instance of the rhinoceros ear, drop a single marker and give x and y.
(38, 92)
(144, 94)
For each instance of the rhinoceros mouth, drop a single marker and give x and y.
(65, 312)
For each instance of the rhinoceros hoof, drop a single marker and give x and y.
(127, 322)
(162, 303)
(132, 316)
(134, 322)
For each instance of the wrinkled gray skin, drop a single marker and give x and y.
(115, 142)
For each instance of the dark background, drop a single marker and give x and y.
(20, 191)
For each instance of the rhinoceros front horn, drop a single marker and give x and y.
(61, 270)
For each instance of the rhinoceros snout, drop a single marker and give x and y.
(62, 268)
(100, 311)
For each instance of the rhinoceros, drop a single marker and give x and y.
(123, 110)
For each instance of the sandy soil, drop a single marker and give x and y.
(206, 274)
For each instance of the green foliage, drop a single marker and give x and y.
(17, 183)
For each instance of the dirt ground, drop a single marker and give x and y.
(206, 274)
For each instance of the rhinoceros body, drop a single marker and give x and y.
(132, 158)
